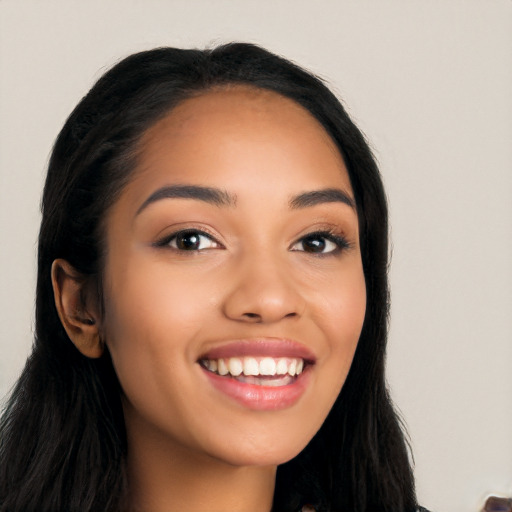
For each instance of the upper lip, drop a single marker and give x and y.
(262, 347)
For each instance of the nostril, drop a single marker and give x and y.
(252, 316)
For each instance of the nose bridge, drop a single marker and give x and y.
(263, 288)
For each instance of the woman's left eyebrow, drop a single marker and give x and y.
(215, 196)
(326, 195)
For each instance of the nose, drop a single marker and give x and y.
(263, 291)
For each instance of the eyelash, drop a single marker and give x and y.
(340, 242)
(167, 241)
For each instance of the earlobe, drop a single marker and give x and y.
(76, 308)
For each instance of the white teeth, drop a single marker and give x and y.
(282, 367)
(235, 366)
(292, 367)
(254, 367)
(222, 367)
(251, 366)
(267, 366)
(282, 380)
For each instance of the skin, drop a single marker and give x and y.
(191, 447)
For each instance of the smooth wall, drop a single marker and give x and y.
(429, 82)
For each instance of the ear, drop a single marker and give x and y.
(77, 308)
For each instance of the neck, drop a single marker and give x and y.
(166, 477)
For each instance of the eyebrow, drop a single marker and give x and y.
(210, 195)
(327, 195)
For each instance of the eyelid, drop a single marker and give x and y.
(165, 241)
(330, 235)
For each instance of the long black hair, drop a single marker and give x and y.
(62, 437)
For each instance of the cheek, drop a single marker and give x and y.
(151, 320)
(144, 300)
(151, 331)
(341, 309)
(340, 312)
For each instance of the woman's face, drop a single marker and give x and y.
(234, 289)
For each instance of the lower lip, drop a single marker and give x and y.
(260, 398)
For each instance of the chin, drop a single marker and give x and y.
(262, 454)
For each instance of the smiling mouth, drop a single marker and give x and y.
(259, 371)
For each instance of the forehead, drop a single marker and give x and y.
(233, 108)
(240, 138)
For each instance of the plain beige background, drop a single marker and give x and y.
(429, 82)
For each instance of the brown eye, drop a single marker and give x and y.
(320, 243)
(314, 244)
(191, 240)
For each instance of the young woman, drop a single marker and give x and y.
(211, 301)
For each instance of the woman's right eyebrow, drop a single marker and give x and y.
(215, 196)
